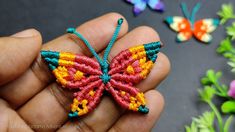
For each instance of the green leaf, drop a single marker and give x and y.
(228, 55)
(226, 13)
(192, 128)
(211, 77)
(205, 122)
(231, 31)
(225, 46)
(231, 63)
(228, 107)
(207, 93)
(228, 123)
(206, 81)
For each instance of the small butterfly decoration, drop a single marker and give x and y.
(140, 5)
(186, 27)
(89, 78)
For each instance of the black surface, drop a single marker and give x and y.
(189, 60)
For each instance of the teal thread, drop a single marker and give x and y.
(72, 115)
(185, 11)
(195, 10)
(143, 109)
(151, 50)
(105, 78)
(47, 54)
(114, 37)
(103, 63)
(73, 31)
(53, 63)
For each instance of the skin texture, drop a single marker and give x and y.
(30, 99)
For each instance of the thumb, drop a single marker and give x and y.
(17, 52)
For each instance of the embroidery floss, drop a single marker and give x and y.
(91, 77)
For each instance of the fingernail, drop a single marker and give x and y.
(25, 33)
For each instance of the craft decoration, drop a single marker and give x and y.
(90, 77)
(140, 5)
(186, 27)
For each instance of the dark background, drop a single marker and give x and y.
(189, 60)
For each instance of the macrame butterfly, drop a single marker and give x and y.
(90, 77)
(186, 27)
(140, 5)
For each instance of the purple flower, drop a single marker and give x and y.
(231, 91)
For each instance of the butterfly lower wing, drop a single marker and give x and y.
(127, 96)
(203, 27)
(87, 99)
(156, 5)
(139, 6)
(180, 25)
(79, 73)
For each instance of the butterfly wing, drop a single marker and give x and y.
(78, 72)
(128, 68)
(156, 5)
(139, 6)
(203, 27)
(180, 25)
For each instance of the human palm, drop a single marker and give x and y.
(30, 99)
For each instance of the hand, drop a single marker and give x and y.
(30, 99)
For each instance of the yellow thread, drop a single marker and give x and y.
(130, 70)
(67, 56)
(123, 93)
(91, 93)
(81, 111)
(60, 73)
(78, 75)
(136, 102)
(136, 49)
(140, 98)
(65, 63)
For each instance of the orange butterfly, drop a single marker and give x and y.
(186, 27)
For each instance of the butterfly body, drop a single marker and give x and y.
(90, 80)
(140, 5)
(186, 27)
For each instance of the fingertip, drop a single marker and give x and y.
(17, 53)
(155, 102)
(114, 16)
(164, 65)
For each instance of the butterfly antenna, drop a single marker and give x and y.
(114, 37)
(195, 10)
(73, 31)
(187, 14)
(185, 10)
(103, 63)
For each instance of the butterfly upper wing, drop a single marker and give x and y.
(139, 6)
(128, 68)
(156, 5)
(180, 25)
(78, 72)
(203, 27)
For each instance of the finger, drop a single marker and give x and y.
(94, 120)
(17, 53)
(10, 120)
(98, 32)
(141, 123)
